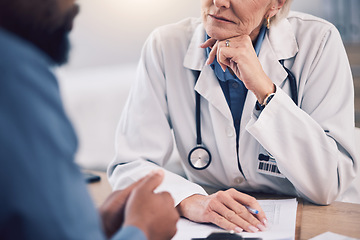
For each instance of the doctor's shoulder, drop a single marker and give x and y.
(308, 28)
(315, 38)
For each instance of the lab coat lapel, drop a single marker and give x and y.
(195, 56)
(207, 84)
(208, 87)
(278, 44)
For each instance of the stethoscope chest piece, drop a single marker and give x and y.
(199, 158)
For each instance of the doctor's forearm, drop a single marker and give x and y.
(309, 159)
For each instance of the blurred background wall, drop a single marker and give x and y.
(113, 31)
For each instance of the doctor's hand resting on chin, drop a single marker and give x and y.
(238, 55)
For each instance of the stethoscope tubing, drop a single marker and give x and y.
(200, 157)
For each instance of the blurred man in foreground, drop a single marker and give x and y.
(43, 194)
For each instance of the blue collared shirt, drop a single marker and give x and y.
(234, 89)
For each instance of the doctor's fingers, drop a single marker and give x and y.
(215, 51)
(228, 54)
(225, 57)
(251, 203)
(212, 54)
(233, 58)
(239, 49)
(246, 66)
(229, 220)
(237, 213)
(223, 222)
(208, 43)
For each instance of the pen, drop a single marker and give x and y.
(252, 210)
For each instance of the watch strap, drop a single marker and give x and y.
(268, 99)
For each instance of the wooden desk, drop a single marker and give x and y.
(99, 191)
(311, 220)
(338, 217)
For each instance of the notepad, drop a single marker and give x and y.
(281, 216)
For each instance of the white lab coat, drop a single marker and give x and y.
(313, 143)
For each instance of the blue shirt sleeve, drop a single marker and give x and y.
(129, 233)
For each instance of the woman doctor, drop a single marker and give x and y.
(255, 134)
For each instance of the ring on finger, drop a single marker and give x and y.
(227, 43)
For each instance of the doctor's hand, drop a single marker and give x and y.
(153, 213)
(226, 209)
(238, 54)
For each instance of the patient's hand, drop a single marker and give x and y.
(154, 213)
(113, 209)
(138, 205)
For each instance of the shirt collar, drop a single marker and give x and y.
(226, 76)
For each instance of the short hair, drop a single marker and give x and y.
(283, 12)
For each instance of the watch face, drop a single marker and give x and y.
(199, 158)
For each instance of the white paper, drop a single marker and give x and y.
(332, 236)
(281, 216)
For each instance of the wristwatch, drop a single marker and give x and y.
(267, 99)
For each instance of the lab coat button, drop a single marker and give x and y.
(238, 180)
(229, 131)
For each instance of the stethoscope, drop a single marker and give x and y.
(200, 157)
